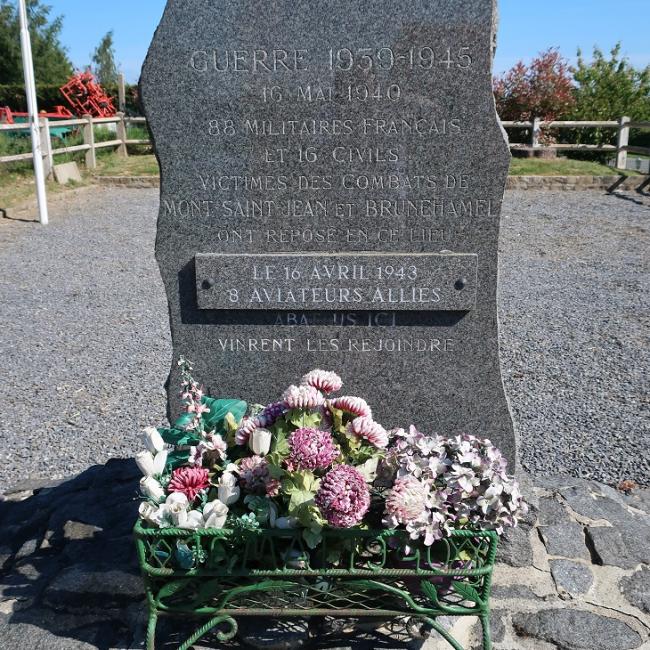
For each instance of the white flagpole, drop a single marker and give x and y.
(32, 107)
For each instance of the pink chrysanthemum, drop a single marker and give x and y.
(355, 405)
(189, 480)
(367, 429)
(303, 397)
(406, 501)
(343, 497)
(323, 380)
(246, 427)
(263, 420)
(254, 474)
(311, 449)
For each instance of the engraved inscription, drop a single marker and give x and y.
(415, 282)
(425, 58)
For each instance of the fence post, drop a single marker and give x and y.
(121, 93)
(121, 135)
(536, 132)
(46, 147)
(89, 139)
(622, 141)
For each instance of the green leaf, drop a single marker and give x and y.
(171, 588)
(275, 471)
(299, 498)
(337, 420)
(179, 438)
(215, 420)
(177, 459)
(280, 444)
(302, 418)
(305, 480)
(312, 537)
(183, 421)
(217, 554)
(369, 469)
(467, 592)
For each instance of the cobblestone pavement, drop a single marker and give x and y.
(574, 576)
(85, 343)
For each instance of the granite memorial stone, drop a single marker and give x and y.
(331, 182)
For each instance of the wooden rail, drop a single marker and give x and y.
(86, 125)
(622, 146)
(121, 142)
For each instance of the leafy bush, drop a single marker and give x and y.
(544, 89)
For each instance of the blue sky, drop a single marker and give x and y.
(526, 28)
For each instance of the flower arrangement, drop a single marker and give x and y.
(314, 460)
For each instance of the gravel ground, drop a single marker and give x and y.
(85, 344)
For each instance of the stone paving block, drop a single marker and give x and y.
(514, 547)
(571, 577)
(565, 540)
(636, 588)
(621, 548)
(583, 501)
(577, 630)
(552, 512)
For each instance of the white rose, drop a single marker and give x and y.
(228, 491)
(151, 488)
(177, 497)
(153, 440)
(159, 462)
(150, 513)
(178, 514)
(144, 460)
(260, 441)
(194, 520)
(215, 514)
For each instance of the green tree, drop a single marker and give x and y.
(608, 88)
(105, 68)
(51, 62)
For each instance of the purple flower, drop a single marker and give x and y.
(271, 413)
(254, 474)
(343, 497)
(466, 482)
(311, 449)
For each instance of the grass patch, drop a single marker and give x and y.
(114, 165)
(17, 187)
(560, 167)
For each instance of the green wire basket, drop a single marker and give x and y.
(216, 576)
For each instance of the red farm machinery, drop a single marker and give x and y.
(85, 97)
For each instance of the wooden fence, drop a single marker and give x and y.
(121, 141)
(86, 125)
(621, 148)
